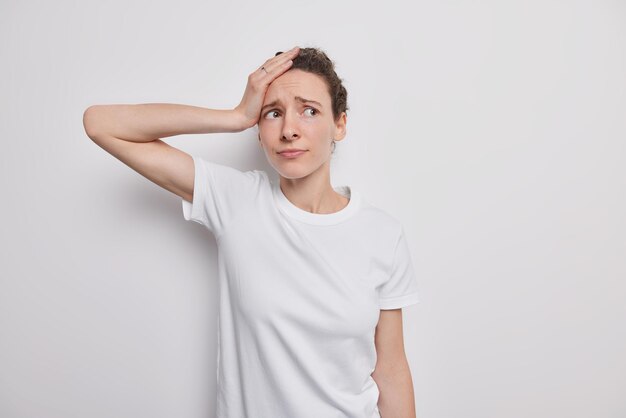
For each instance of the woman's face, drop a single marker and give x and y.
(297, 113)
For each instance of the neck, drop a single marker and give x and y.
(315, 195)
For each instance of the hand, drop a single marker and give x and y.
(258, 82)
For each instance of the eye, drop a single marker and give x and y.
(271, 112)
(311, 108)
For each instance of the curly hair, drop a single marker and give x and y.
(315, 61)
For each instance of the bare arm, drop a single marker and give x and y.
(132, 132)
(392, 373)
(150, 121)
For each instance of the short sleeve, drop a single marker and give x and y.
(220, 192)
(400, 289)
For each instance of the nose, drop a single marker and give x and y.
(290, 129)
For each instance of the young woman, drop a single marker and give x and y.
(313, 278)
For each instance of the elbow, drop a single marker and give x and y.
(90, 118)
(398, 370)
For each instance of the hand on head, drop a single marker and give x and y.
(258, 82)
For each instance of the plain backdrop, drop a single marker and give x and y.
(494, 130)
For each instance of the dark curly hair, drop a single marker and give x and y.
(315, 61)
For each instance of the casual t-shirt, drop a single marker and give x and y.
(300, 296)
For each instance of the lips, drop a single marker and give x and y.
(291, 150)
(292, 153)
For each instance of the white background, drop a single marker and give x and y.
(494, 130)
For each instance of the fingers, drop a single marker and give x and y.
(279, 62)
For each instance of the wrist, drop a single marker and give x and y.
(242, 122)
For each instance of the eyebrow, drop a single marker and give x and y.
(298, 98)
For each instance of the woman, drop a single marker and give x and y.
(313, 278)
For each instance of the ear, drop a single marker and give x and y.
(340, 127)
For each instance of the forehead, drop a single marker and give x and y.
(298, 83)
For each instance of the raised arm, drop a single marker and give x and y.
(132, 132)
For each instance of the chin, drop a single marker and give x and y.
(291, 174)
(291, 171)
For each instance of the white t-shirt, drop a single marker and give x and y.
(300, 296)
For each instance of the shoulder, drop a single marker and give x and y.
(229, 179)
(385, 226)
(380, 217)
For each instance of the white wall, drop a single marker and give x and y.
(495, 131)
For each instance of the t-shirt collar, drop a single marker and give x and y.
(318, 218)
